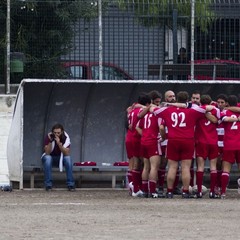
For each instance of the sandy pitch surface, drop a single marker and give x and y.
(113, 214)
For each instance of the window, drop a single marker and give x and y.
(76, 72)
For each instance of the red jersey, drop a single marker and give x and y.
(180, 121)
(205, 131)
(132, 121)
(150, 128)
(231, 131)
(220, 133)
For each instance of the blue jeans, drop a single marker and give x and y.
(49, 161)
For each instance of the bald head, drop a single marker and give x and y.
(170, 96)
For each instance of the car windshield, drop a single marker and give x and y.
(76, 72)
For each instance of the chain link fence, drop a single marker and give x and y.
(122, 39)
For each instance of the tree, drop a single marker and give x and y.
(42, 30)
(155, 12)
(172, 14)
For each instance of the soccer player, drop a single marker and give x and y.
(221, 103)
(195, 99)
(156, 97)
(206, 140)
(148, 128)
(181, 124)
(169, 97)
(132, 142)
(231, 148)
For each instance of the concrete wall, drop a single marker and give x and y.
(6, 110)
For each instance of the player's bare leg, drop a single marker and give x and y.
(186, 165)
(153, 175)
(225, 177)
(172, 170)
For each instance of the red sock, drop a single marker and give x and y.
(213, 180)
(129, 176)
(161, 177)
(219, 178)
(199, 175)
(135, 180)
(152, 186)
(224, 181)
(139, 179)
(145, 186)
(185, 190)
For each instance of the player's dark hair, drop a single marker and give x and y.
(57, 126)
(222, 96)
(205, 99)
(182, 97)
(144, 99)
(196, 92)
(154, 94)
(232, 100)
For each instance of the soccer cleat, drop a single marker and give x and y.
(169, 195)
(137, 194)
(160, 192)
(198, 195)
(71, 188)
(187, 195)
(223, 196)
(153, 195)
(48, 189)
(161, 195)
(177, 191)
(213, 195)
(238, 182)
(143, 195)
(130, 186)
(217, 190)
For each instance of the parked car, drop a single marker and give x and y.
(90, 70)
(227, 69)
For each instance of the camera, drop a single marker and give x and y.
(52, 136)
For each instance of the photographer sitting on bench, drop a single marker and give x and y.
(57, 153)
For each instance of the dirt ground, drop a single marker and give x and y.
(113, 214)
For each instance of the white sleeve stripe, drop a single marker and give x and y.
(159, 110)
(198, 109)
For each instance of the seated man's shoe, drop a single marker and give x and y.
(48, 188)
(71, 188)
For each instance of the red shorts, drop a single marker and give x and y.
(205, 150)
(181, 149)
(220, 150)
(231, 156)
(133, 148)
(149, 150)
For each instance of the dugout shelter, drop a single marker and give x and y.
(92, 112)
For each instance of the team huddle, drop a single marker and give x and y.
(175, 134)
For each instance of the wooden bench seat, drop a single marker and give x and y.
(79, 172)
